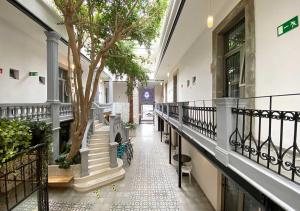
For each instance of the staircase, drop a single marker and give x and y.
(100, 172)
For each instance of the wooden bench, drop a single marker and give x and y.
(59, 181)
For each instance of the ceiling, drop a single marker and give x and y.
(190, 25)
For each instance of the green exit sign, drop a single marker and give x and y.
(288, 26)
(33, 73)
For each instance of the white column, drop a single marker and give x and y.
(53, 87)
(226, 126)
(110, 91)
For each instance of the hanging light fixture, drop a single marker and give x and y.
(210, 18)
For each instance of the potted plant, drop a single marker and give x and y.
(132, 128)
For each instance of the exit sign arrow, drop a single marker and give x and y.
(288, 26)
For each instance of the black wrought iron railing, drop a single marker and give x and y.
(23, 175)
(269, 137)
(202, 119)
(159, 107)
(173, 111)
(165, 107)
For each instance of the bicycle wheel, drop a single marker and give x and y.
(128, 156)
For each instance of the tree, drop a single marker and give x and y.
(123, 61)
(97, 26)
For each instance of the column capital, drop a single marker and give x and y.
(52, 36)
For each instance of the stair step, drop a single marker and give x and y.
(98, 141)
(98, 155)
(96, 183)
(100, 173)
(98, 167)
(98, 145)
(99, 136)
(98, 160)
(98, 150)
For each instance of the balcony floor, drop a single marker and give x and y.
(150, 184)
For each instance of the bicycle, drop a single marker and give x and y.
(125, 148)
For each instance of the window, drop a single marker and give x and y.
(234, 59)
(63, 86)
(14, 74)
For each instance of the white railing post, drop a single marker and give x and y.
(225, 126)
(180, 114)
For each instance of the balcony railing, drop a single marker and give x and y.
(202, 119)
(173, 111)
(35, 111)
(268, 137)
(40, 111)
(165, 108)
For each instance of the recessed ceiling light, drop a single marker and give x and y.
(168, 74)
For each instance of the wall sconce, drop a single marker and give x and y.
(210, 21)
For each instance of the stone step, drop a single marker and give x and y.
(97, 145)
(98, 161)
(97, 155)
(101, 181)
(98, 141)
(101, 173)
(100, 136)
(98, 167)
(98, 150)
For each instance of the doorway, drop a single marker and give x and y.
(147, 114)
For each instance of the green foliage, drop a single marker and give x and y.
(41, 132)
(15, 136)
(131, 126)
(123, 61)
(62, 160)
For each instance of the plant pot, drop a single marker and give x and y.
(132, 132)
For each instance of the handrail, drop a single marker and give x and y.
(86, 133)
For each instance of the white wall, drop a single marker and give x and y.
(158, 89)
(277, 62)
(101, 92)
(23, 52)
(120, 92)
(207, 176)
(23, 47)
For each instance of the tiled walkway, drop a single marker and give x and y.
(150, 184)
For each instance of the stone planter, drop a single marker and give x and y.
(132, 132)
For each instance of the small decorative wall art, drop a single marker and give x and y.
(194, 80)
(14, 74)
(188, 83)
(42, 80)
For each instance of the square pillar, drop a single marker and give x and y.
(226, 126)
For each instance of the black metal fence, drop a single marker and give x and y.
(23, 175)
(202, 119)
(173, 111)
(165, 107)
(159, 107)
(269, 137)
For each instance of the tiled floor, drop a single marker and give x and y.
(150, 184)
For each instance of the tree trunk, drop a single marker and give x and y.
(131, 109)
(76, 137)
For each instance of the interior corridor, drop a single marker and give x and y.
(150, 184)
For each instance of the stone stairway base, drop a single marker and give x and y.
(99, 178)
